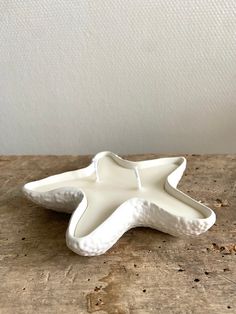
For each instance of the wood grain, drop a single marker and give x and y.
(145, 272)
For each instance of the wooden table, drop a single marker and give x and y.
(145, 272)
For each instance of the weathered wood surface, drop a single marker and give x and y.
(145, 272)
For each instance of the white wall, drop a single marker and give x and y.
(80, 76)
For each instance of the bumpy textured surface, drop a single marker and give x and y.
(61, 200)
(135, 213)
(132, 213)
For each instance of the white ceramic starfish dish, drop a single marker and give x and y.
(113, 195)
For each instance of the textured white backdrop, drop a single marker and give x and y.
(80, 76)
